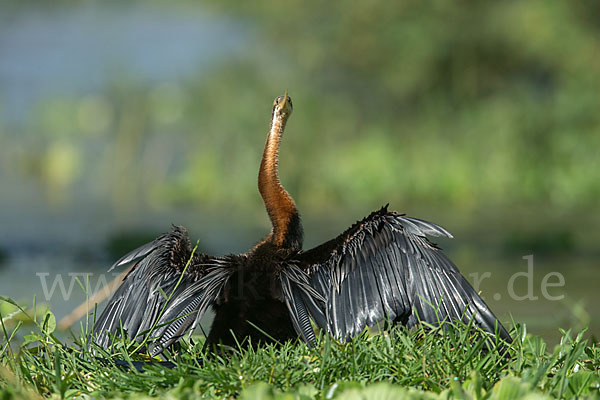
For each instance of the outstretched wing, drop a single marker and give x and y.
(382, 268)
(164, 295)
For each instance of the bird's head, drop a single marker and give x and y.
(282, 106)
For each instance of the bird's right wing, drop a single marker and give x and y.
(382, 268)
(164, 295)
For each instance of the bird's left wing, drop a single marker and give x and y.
(164, 295)
(382, 268)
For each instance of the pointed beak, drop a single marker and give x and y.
(285, 98)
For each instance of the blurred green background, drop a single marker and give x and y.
(119, 118)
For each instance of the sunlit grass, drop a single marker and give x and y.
(410, 363)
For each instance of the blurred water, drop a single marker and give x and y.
(48, 51)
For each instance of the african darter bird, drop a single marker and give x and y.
(382, 268)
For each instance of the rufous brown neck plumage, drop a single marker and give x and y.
(278, 202)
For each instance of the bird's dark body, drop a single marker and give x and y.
(250, 307)
(383, 268)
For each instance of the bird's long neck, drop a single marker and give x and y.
(287, 230)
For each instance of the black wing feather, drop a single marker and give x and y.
(161, 299)
(383, 268)
(137, 253)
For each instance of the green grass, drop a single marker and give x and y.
(399, 363)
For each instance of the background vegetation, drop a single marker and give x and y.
(465, 106)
